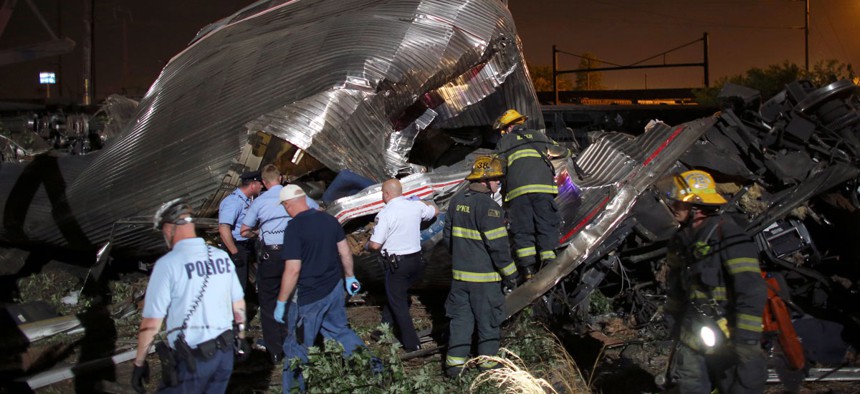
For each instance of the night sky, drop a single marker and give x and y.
(135, 39)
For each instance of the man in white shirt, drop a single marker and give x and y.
(398, 234)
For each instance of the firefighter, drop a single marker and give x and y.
(529, 190)
(716, 295)
(481, 258)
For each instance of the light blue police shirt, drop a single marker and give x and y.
(175, 284)
(398, 225)
(232, 211)
(267, 213)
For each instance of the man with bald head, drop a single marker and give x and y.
(398, 234)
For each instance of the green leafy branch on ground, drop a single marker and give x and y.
(533, 358)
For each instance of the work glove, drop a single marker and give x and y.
(509, 283)
(352, 285)
(242, 352)
(139, 377)
(280, 308)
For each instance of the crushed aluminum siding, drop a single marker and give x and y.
(620, 169)
(332, 77)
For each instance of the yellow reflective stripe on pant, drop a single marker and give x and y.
(496, 233)
(453, 361)
(522, 153)
(749, 322)
(535, 188)
(480, 277)
(462, 232)
(743, 264)
(526, 252)
(547, 255)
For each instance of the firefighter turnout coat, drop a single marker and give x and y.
(528, 168)
(476, 236)
(714, 270)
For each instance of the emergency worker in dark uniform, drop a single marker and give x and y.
(318, 273)
(476, 236)
(230, 214)
(716, 295)
(529, 190)
(398, 233)
(267, 217)
(195, 286)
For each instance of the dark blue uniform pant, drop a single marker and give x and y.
(212, 375)
(327, 317)
(397, 284)
(471, 304)
(245, 251)
(269, 274)
(534, 227)
(732, 374)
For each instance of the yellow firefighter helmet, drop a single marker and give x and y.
(508, 118)
(486, 167)
(695, 187)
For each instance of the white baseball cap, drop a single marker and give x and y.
(290, 192)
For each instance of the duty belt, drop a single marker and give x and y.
(272, 247)
(205, 350)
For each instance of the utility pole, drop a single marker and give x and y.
(554, 75)
(87, 52)
(705, 42)
(806, 36)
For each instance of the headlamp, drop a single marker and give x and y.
(709, 338)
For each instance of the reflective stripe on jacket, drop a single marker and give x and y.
(718, 274)
(528, 171)
(476, 236)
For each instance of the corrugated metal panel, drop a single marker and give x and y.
(331, 77)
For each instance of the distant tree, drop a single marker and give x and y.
(771, 80)
(589, 80)
(542, 79)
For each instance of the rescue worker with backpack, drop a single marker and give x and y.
(716, 295)
(529, 190)
(481, 259)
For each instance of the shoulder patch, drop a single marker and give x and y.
(494, 213)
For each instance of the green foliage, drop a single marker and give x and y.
(51, 287)
(772, 79)
(589, 80)
(327, 371)
(542, 79)
(598, 303)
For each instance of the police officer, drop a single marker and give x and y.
(196, 287)
(317, 275)
(398, 233)
(530, 190)
(716, 295)
(230, 215)
(268, 217)
(481, 258)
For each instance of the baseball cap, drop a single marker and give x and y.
(291, 191)
(251, 176)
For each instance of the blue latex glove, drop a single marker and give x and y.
(352, 285)
(280, 307)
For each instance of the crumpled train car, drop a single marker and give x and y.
(381, 88)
